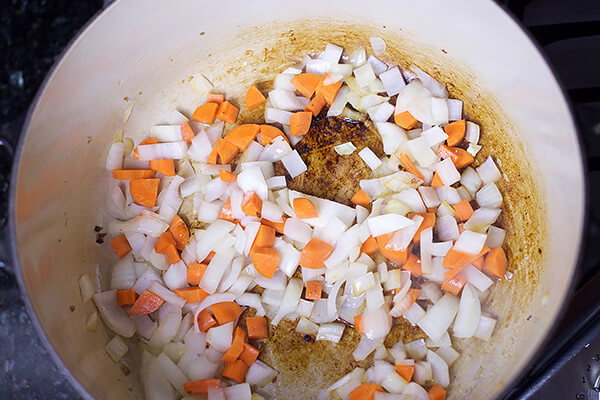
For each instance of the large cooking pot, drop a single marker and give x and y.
(142, 52)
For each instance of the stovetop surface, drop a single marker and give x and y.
(34, 32)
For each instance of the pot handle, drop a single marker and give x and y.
(6, 158)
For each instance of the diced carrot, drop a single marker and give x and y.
(126, 297)
(237, 346)
(243, 135)
(405, 120)
(227, 151)
(180, 231)
(213, 157)
(478, 262)
(152, 140)
(205, 321)
(413, 265)
(227, 176)
(328, 91)
(456, 132)
(186, 132)
(428, 222)
(147, 303)
(257, 327)
(200, 387)
(463, 210)
(454, 284)
(306, 83)
(128, 174)
(235, 371)
(413, 295)
(252, 204)
(313, 290)
(270, 132)
(316, 104)
(165, 167)
(304, 208)
(226, 212)
(191, 294)
(172, 255)
(265, 260)
(265, 237)
(227, 112)
(215, 98)
(278, 226)
(315, 253)
(457, 260)
(144, 191)
(409, 166)
(358, 324)
(195, 273)
(226, 311)
(405, 371)
(361, 198)
(249, 354)
(300, 123)
(163, 242)
(461, 158)
(206, 113)
(436, 181)
(437, 393)
(366, 391)
(394, 255)
(495, 262)
(208, 258)
(370, 246)
(121, 246)
(254, 98)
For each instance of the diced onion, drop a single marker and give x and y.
(86, 288)
(172, 372)
(485, 328)
(455, 107)
(345, 149)
(215, 270)
(435, 136)
(165, 294)
(113, 315)
(476, 278)
(439, 317)
(167, 133)
(472, 132)
(364, 75)
(446, 228)
(394, 383)
(91, 324)
(414, 314)
(387, 223)
(332, 332)
(176, 276)
(448, 354)
(422, 152)
(201, 84)
(447, 172)
(287, 100)
(219, 337)
(381, 112)
(439, 368)
(297, 230)
(436, 88)
(259, 374)
(293, 163)
(365, 347)
(469, 313)
(377, 44)
(488, 172)
(273, 115)
(378, 66)
(162, 151)
(376, 323)
(114, 159)
(470, 242)
(116, 348)
(370, 158)
(392, 81)
(495, 237)
(339, 102)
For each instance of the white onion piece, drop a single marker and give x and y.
(416, 349)
(219, 337)
(259, 374)
(392, 136)
(473, 149)
(195, 342)
(272, 297)
(476, 278)
(173, 118)
(253, 180)
(339, 102)
(370, 158)
(277, 282)
(162, 151)
(284, 81)
(439, 369)
(271, 212)
(148, 223)
(144, 326)
(341, 69)
(436, 88)
(402, 237)
(379, 371)
(355, 375)
(216, 394)
(345, 149)
(232, 274)
(455, 107)
(209, 212)
(387, 223)
(439, 111)
(470, 179)
(448, 354)
(444, 341)
(469, 313)
(392, 81)
(425, 245)
(435, 136)
(241, 285)
(414, 314)
(381, 112)
(447, 171)
(332, 332)
(412, 199)
(209, 301)
(167, 133)
(116, 348)
(143, 282)
(273, 115)
(472, 132)
(294, 164)
(305, 308)
(470, 242)
(287, 100)
(213, 235)
(488, 171)
(200, 148)
(376, 323)
(448, 194)
(489, 196)
(87, 289)
(437, 273)
(365, 347)
(377, 44)
(289, 257)
(446, 228)
(176, 276)
(252, 300)
(297, 230)
(485, 328)
(113, 315)
(420, 150)
(495, 237)
(276, 182)
(213, 355)
(184, 327)
(156, 385)
(238, 392)
(216, 268)
(439, 317)
(440, 249)
(332, 298)
(394, 383)
(343, 247)
(165, 294)
(274, 151)
(116, 204)
(364, 75)
(114, 159)
(172, 372)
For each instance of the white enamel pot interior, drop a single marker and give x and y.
(145, 51)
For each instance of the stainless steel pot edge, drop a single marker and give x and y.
(586, 194)
(11, 227)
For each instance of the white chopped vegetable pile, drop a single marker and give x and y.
(420, 243)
